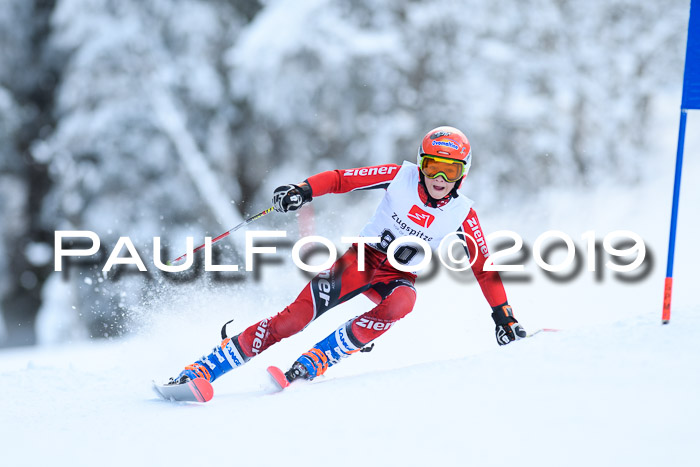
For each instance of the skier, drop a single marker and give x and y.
(422, 201)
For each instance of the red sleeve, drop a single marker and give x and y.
(489, 281)
(343, 181)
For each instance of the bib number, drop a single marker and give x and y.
(403, 254)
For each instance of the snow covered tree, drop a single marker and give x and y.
(135, 150)
(175, 117)
(27, 78)
(549, 92)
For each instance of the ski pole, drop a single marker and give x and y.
(225, 234)
(542, 330)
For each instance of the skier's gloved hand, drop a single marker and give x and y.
(507, 327)
(291, 197)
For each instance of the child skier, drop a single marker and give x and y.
(422, 201)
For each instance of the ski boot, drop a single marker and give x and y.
(222, 359)
(190, 373)
(316, 361)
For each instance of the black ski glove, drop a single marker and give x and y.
(507, 327)
(291, 197)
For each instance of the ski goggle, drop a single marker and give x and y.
(434, 166)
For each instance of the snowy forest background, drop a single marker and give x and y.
(178, 117)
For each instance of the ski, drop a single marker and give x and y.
(196, 390)
(277, 377)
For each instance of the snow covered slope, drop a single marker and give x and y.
(621, 394)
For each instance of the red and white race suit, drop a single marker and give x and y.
(403, 211)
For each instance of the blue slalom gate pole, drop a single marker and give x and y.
(690, 100)
(668, 284)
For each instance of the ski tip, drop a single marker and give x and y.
(202, 389)
(278, 377)
(156, 389)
